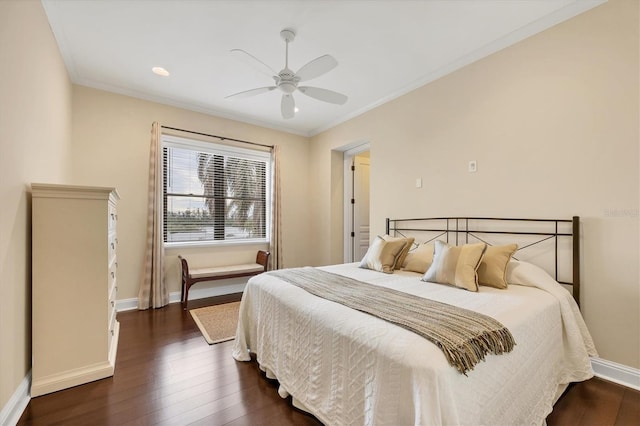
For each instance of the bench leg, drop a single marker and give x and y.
(185, 302)
(184, 294)
(187, 286)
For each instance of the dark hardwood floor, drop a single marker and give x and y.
(167, 374)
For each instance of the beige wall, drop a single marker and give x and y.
(111, 135)
(35, 136)
(553, 124)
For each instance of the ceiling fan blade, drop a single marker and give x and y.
(288, 106)
(252, 92)
(253, 62)
(324, 95)
(317, 67)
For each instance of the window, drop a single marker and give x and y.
(214, 193)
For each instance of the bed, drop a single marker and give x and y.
(345, 366)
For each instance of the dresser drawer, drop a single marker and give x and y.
(113, 294)
(111, 309)
(113, 245)
(112, 329)
(113, 218)
(113, 273)
(112, 317)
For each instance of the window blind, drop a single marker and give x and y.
(214, 193)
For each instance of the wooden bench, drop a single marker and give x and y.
(190, 277)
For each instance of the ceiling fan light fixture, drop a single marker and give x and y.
(287, 87)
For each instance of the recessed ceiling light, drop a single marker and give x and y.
(296, 109)
(160, 71)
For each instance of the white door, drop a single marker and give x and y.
(360, 206)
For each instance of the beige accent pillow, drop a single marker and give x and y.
(419, 259)
(382, 255)
(408, 242)
(492, 271)
(456, 265)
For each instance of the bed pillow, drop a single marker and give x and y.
(408, 242)
(456, 265)
(492, 271)
(419, 259)
(382, 255)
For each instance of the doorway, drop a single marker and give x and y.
(356, 202)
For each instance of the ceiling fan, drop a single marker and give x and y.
(287, 80)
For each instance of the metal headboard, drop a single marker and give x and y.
(448, 228)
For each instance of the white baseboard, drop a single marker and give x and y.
(14, 408)
(127, 304)
(194, 293)
(616, 373)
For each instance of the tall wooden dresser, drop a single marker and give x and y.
(75, 331)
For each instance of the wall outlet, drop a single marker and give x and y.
(473, 166)
(419, 183)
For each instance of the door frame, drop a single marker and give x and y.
(349, 155)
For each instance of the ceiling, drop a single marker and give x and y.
(384, 48)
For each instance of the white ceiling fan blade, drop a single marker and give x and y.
(324, 95)
(287, 106)
(252, 92)
(253, 62)
(317, 67)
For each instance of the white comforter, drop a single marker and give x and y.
(347, 367)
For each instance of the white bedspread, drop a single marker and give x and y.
(347, 367)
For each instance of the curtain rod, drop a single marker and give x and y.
(222, 138)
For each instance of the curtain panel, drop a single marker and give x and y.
(153, 290)
(275, 245)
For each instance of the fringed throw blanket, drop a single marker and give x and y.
(464, 336)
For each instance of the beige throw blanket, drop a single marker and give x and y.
(464, 336)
